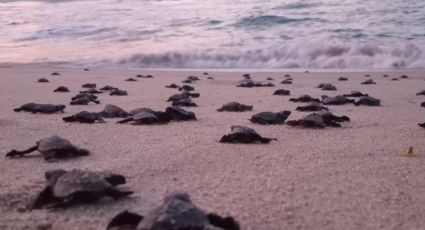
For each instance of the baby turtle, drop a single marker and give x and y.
(394, 79)
(421, 93)
(246, 135)
(177, 212)
(43, 80)
(312, 107)
(187, 88)
(92, 91)
(327, 86)
(108, 88)
(84, 117)
(319, 120)
(65, 188)
(130, 79)
(190, 93)
(61, 89)
(246, 84)
(269, 79)
(235, 107)
(177, 97)
(52, 147)
(270, 118)
(193, 78)
(84, 99)
(184, 102)
(337, 100)
(145, 117)
(355, 93)
(423, 104)
(179, 114)
(112, 111)
(55, 74)
(368, 82)
(40, 108)
(282, 92)
(342, 79)
(89, 85)
(163, 117)
(367, 100)
(172, 86)
(304, 98)
(422, 125)
(404, 76)
(144, 76)
(286, 82)
(118, 92)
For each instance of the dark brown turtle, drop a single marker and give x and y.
(246, 135)
(421, 93)
(286, 82)
(177, 97)
(108, 88)
(367, 100)
(65, 188)
(304, 98)
(84, 117)
(61, 89)
(337, 100)
(270, 118)
(368, 82)
(422, 125)
(40, 108)
(282, 92)
(355, 93)
(130, 79)
(404, 76)
(89, 85)
(187, 88)
(187, 102)
(118, 92)
(326, 86)
(235, 107)
(43, 80)
(146, 116)
(55, 74)
(84, 99)
(172, 86)
(312, 107)
(342, 79)
(92, 91)
(179, 114)
(88, 95)
(52, 147)
(319, 120)
(177, 212)
(112, 111)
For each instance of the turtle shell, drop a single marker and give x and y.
(145, 117)
(313, 120)
(235, 107)
(367, 100)
(113, 111)
(54, 143)
(337, 100)
(270, 117)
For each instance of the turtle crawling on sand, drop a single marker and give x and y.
(312, 107)
(108, 88)
(92, 91)
(369, 82)
(319, 120)
(337, 100)
(144, 76)
(113, 111)
(52, 147)
(286, 82)
(327, 86)
(235, 107)
(304, 98)
(84, 99)
(342, 79)
(145, 117)
(177, 212)
(61, 89)
(55, 74)
(172, 86)
(355, 93)
(118, 92)
(187, 102)
(422, 125)
(367, 100)
(130, 79)
(40, 108)
(43, 80)
(282, 92)
(251, 83)
(404, 76)
(89, 85)
(270, 118)
(187, 88)
(65, 188)
(84, 117)
(246, 135)
(421, 93)
(178, 114)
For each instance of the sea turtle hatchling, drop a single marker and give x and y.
(312, 107)
(286, 82)
(113, 111)
(43, 80)
(89, 85)
(40, 108)
(177, 212)
(282, 92)
(179, 114)
(130, 79)
(367, 100)
(355, 93)
(65, 188)
(342, 79)
(235, 107)
(319, 120)
(84, 117)
(108, 88)
(327, 86)
(92, 91)
(52, 147)
(61, 89)
(336, 100)
(270, 118)
(172, 86)
(187, 102)
(118, 92)
(369, 82)
(246, 135)
(84, 99)
(421, 93)
(146, 116)
(304, 98)
(187, 88)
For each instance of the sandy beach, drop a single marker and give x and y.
(334, 178)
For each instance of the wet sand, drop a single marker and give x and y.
(335, 178)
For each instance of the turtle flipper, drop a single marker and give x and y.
(16, 153)
(227, 223)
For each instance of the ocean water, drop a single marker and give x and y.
(320, 34)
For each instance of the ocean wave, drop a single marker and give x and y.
(318, 54)
(267, 20)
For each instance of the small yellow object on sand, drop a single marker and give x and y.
(410, 153)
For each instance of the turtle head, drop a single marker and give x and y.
(82, 152)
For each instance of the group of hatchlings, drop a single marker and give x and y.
(177, 212)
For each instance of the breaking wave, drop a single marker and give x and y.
(302, 55)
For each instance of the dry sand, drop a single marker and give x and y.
(336, 178)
